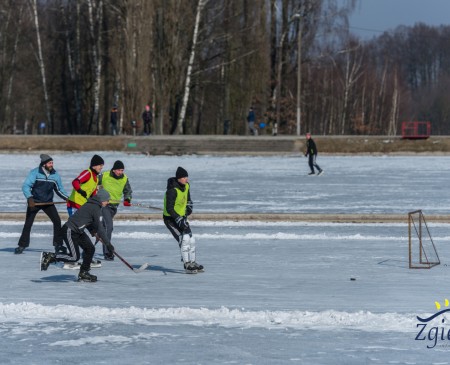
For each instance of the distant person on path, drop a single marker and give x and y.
(114, 120)
(73, 231)
(311, 152)
(116, 183)
(251, 122)
(39, 187)
(147, 117)
(177, 207)
(85, 185)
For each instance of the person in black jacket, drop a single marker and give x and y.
(177, 207)
(147, 117)
(311, 151)
(113, 120)
(74, 236)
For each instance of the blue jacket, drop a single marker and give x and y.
(40, 186)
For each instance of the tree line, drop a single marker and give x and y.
(200, 65)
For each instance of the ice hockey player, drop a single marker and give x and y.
(39, 187)
(88, 216)
(85, 185)
(177, 207)
(116, 183)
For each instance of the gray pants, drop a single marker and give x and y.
(252, 129)
(108, 213)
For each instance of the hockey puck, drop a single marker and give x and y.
(352, 279)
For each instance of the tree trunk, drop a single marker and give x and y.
(11, 74)
(179, 128)
(96, 40)
(33, 4)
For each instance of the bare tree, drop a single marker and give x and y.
(41, 63)
(187, 84)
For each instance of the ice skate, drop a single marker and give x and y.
(47, 258)
(19, 250)
(190, 268)
(86, 276)
(198, 267)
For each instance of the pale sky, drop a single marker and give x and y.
(372, 17)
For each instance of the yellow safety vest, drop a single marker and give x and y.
(114, 186)
(89, 187)
(180, 201)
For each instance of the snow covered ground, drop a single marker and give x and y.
(272, 293)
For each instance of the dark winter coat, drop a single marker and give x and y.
(311, 148)
(89, 216)
(114, 116)
(147, 117)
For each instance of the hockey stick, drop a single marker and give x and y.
(137, 205)
(49, 203)
(140, 269)
(146, 206)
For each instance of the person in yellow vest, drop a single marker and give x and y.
(85, 185)
(177, 207)
(116, 183)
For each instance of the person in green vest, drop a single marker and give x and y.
(116, 183)
(177, 207)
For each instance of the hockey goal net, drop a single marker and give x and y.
(422, 251)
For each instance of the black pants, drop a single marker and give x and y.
(147, 128)
(312, 163)
(52, 213)
(73, 241)
(173, 228)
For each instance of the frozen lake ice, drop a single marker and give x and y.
(272, 293)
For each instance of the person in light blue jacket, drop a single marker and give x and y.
(39, 187)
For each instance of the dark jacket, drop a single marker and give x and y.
(89, 216)
(311, 148)
(171, 196)
(114, 116)
(147, 116)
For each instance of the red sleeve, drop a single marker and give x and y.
(81, 179)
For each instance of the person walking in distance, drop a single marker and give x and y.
(147, 117)
(114, 119)
(177, 207)
(116, 183)
(75, 237)
(251, 122)
(85, 185)
(39, 187)
(311, 152)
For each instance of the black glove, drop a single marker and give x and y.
(31, 202)
(110, 247)
(189, 208)
(182, 223)
(82, 192)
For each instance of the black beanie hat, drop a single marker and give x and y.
(97, 160)
(45, 158)
(181, 173)
(118, 165)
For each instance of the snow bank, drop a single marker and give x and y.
(32, 313)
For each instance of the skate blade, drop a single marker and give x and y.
(190, 271)
(40, 261)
